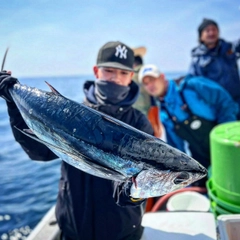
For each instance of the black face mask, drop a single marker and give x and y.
(110, 93)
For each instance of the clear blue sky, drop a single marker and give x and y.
(55, 37)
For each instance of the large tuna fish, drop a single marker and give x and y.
(103, 146)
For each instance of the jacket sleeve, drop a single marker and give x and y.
(34, 149)
(215, 95)
(236, 47)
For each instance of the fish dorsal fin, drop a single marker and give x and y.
(53, 89)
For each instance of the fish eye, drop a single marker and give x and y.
(183, 176)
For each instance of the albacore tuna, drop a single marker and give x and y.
(104, 146)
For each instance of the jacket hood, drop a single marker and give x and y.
(89, 91)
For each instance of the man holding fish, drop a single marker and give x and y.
(85, 207)
(91, 207)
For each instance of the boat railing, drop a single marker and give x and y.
(47, 228)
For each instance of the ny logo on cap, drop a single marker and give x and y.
(121, 52)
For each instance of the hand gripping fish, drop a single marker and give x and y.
(104, 146)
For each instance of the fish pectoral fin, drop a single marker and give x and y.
(49, 145)
(106, 172)
(30, 133)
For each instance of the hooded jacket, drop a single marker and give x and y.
(203, 97)
(85, 206)
(219, 64)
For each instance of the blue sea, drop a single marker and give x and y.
(28, 189)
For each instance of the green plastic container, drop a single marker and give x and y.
(225, 157)
(233, 208)
(228, 196)
(217, 210)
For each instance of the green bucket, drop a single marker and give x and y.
(228, 196)
(233, 208)
(225, 156)
(218, 210)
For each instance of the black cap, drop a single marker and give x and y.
(116, 55)
(206, 22)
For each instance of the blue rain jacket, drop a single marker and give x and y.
(204, 98)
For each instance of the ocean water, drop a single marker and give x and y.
(28, 189)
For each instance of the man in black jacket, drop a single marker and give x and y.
(89, 207)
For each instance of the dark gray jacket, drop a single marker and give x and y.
(86, 208)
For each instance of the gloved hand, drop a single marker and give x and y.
(122, 194)
(6, 80)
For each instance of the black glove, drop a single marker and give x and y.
(6, 80)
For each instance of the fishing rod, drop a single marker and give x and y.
(4, 59)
